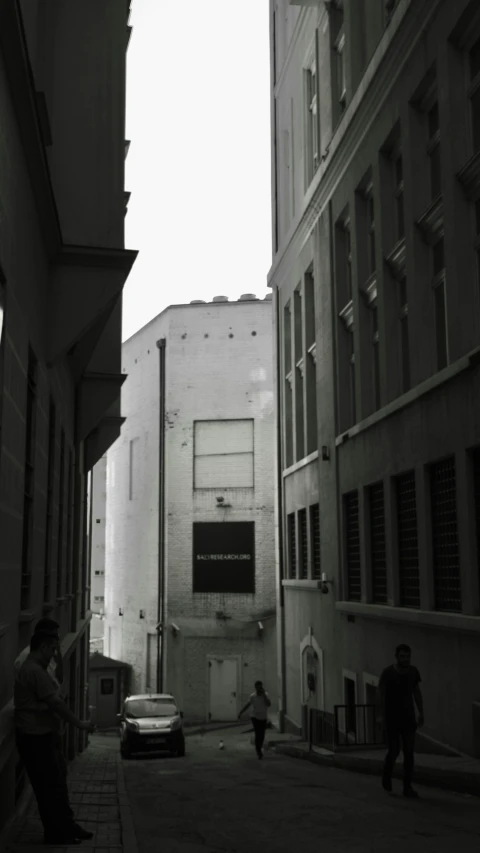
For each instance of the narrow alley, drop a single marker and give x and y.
(226, 801)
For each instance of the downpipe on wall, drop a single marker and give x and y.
(161, 628)
(280, 589)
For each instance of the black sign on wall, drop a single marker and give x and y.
(224, 556)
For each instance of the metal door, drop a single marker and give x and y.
(223, 688)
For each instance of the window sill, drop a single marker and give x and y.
(430, 619)
(431, 384)
(297, 583)
(26, 616)
(312, 457)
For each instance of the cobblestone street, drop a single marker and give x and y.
(226, 801)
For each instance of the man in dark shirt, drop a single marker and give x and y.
(398, 693)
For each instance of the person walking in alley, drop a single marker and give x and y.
(398, 693)
(259, 703)
(39, 708)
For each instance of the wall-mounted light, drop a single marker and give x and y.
(142, 614)
(325, 453)
(325, 584)
(120, 611)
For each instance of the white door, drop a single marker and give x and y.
(222, 676)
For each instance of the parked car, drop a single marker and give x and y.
(151, 723)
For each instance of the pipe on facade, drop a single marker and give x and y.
(331, 248)
(161, 628)
(281, 596)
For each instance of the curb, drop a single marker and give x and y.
(449, 780)
(129, 839)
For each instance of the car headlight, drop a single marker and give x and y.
(133, 727)
(176, 723)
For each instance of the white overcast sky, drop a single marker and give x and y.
(198, 117)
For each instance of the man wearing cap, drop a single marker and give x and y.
(39, 709)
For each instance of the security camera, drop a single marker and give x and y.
(175, 627)
(260, 626)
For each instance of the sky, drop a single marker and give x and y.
(198, 168)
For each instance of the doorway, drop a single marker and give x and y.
(223, 688)
(107, 699)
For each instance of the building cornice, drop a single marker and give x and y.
(392, 54)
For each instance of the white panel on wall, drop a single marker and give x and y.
(224, 454)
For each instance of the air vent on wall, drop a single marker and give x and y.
(220, 299)
(247, 297)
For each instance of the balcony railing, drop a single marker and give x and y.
(349, 726)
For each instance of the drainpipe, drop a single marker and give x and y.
(161, 628)
(280, 588)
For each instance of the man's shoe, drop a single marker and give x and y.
(82, 834)
(410, 793)
(387, 785)
(260, 754)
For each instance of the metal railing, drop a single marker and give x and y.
(348, 726)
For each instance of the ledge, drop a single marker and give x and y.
(297, 583)
(458, 622)
(468, 362)
(431, 223)
(302, 463)
(346, 314)
(396, 260)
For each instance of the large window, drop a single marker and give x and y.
(29, 482)
(446, 558)
(408, 561)
(223, 454)
(474, 62)
(378, 544)
(61, 569)
(49, 538)
(224, 557)
(440, 296)
(352, 543)
(312, 116)
(434, 151)
(303, 562)
(292, 546)
(315, 540)
(404, 335)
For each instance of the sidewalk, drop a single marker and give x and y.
(460, 774)
(98, 798)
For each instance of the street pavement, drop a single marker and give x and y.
(226, 801)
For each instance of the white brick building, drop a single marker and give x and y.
(199, 387)
(98, 512)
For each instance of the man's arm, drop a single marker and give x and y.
(417, 695)
(380, 697)
(267, 700)
(245, 707)
(59, 707)
(59, 665)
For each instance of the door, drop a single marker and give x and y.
(350, 702)
(107, 699)
(222, 688)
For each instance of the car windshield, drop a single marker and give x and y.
(137, 708)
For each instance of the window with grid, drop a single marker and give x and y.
(352, 541)
(376, 357)
(440, 299)
(61, 520)
(303, 531)
(476, 497)
(348, 258)
(474, 93)
(371, 244)
(377, 543)
(446, 559)
(338, 59)
(29, 485)
(47, 573)
(404, 335)
(315, 540)
(434, 151)
(352, 379)
(399, 205)
(292, 545)
(408, 562)
(313, 134)
(69, 554)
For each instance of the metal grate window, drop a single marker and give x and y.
(446, 560)
(377, 544)
(352, 531)
(47, 573)
(408, 563)
(28, 495)
(292, 545)
(476, 492)
(302, 521)
(315, 537)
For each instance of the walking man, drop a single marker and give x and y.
(398, 693)
(38, 711)
(259, 702)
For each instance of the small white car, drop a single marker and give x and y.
(151, 722)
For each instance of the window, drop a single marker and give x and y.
(352, 531)
(476, 497)
(99, 598)
(70, 491)
(404, 336)
(315, 540)
(352, 380)
(340, 70)
(302, 523)
(338, 56)
(439, 287)
(132, 463)
(29, 486)
(288, 391)
(292, 545)
(408, 562)
(311, 366)
(61, 511)
(474, 63)
(377, 544)
(224, 557)
(299, 375)
(372, 263)
(398, 191)
(348, 259)
(47, 576)
(343, 258)
(446, 560)
(313, 130)
(376, 357)
(107, 686)
(434, 151)
(100, 572)
(287, 338)
(223, 454)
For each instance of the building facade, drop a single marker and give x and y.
(98, 520)
(62, 269)
(376, 230)
(194, 470)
